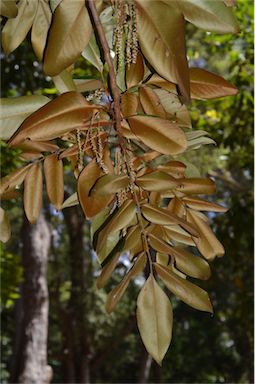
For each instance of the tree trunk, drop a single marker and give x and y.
(30, 365)
(81, 278)
(145, 367)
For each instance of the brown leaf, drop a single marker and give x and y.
(177, 112)
(133, 241)
(203, 205)
(207, 85)
(159, 245)
(8, 8)
(196, 185)
(159, 134)
(69, 34)
(5, 232)
(209, 15)
(191, 294)
(151, 102)
(156, 181)
(41, 25)
(173, 168)
(107, 271)
(157, 80)
(62, 115)
(83, 85)
(162, 216)
(16, 29)
(14, 179)
(135, 72)
(163, 43)
(116, 294)
(54, 176)
(122, 218)
(109, 184)
(154, 319)
(33, 192)
(207, 243)
(129, 103)
(10, 195)
(177, 207)
(91, 205)
(38, 146)
(190, 264)
(176, 233)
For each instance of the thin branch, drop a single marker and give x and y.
(114, 87)
(117, 117)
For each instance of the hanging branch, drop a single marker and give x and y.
(113, 84)
(117, 118)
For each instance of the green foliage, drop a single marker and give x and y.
(11, 277)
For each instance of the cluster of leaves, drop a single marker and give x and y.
(130, 183)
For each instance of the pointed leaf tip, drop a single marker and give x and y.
(154, 319)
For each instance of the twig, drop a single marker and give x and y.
(117, 117)
(114, 87)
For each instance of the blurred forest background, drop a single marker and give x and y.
(87, 345)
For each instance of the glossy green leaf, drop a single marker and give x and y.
(162, 41)
(154, 319)
(14, 111)
(190, 293)
(160, 135)
(69, 34)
